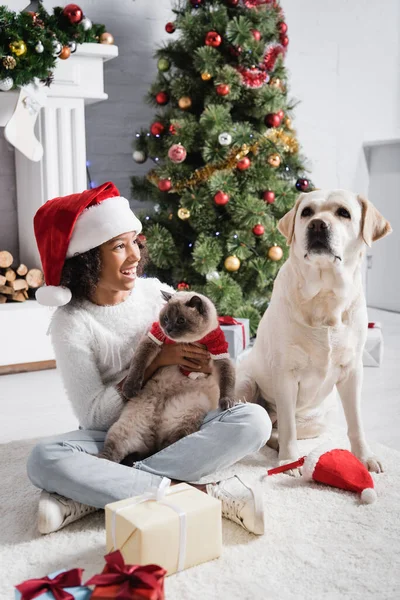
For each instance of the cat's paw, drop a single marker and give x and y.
(132, 390)
(226, 403)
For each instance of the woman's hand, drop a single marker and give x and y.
(190, 356)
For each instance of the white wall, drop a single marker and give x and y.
(344, 62)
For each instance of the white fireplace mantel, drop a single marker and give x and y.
(60, 128)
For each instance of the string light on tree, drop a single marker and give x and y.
(275, 253)
(184, 214)
(232, 264)
(258, 230)
(213, 39)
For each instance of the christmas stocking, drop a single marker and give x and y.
(19, 130)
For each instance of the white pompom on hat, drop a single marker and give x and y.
(71, 225)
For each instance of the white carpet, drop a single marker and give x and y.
(319, 544)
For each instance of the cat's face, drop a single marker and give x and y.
(187, 316)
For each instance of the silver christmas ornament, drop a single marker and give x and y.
(72, 46)
(212, 275)
(57, 48)
(86, 23)
(39, 47)
(225, 139)
(6, 84)
(139, 156)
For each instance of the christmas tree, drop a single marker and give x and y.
(226, 159)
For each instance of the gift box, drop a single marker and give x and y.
(237, 334)
(373, 349)
(176, 527)
(61, 585)
(128, 582)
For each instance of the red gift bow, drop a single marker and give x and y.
(128, 576)
(231, 321)
(34, 587)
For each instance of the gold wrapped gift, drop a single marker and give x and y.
(175, 527)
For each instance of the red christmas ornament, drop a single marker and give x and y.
(256, 34)
(164, 185)
(223, 89)
(170, 27)
(243, 164)
(273, 120)
(196, 3)
(233, 2)
(282, 27)
(177, 153)
(172, 129)
(269, 196)
(183, 286)
(280, 114)
(221, 198)
(284, 40)
(157, 128)
(258, 229)
(213, 39)
(253, 77)
(302, 184)
(162, 98)
(271, 55)
(235, 50)
(73, 13)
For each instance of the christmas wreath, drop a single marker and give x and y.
(31, 41)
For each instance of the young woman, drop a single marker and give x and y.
(91, 260)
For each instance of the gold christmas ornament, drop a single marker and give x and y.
(274, 160)
(18, 47)
(9, 62)
(288, 123)
(185, 102)
(232, 264)
(106, 38)
(275, 83)
(206, 76)
(184, 214)
(275, 253)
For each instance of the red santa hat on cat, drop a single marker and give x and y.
(70, 225)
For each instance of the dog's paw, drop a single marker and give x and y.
(372, 463)
(297, 472)
(226, 402)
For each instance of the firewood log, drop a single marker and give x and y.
(3, 280)
(10, 275)
(6, 259)
(35, 278)
(22, 270)
(5, 289)
(18, 297)
(3, 299)
(19, 284)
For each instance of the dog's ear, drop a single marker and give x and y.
(373, 225)
(166, 295)
(286, 224)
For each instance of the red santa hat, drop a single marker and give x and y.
(70, 225)
(336, 467)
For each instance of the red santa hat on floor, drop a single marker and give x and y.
(70, 225)
(336, 467)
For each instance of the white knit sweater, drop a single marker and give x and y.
(94, 346)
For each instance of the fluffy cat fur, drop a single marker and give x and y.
(170, 405)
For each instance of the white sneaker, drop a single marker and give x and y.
(55, 512)
(240, 503)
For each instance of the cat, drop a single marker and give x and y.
(173, 402)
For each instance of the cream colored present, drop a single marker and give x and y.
(175, 527)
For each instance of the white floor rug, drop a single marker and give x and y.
(320, 543)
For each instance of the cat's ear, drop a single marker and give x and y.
(197, 303)
(166, 295)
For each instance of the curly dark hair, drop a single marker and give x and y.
(81, 273)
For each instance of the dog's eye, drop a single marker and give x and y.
(307, 212)
(343, 212)
(180, 320)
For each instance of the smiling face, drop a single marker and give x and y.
(119, 260)
(326, 227)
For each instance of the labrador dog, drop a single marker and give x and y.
(312, 335)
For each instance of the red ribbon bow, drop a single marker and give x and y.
(231, 321)
(34, 587)
(129, 576)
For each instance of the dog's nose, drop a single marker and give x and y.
(318, 225)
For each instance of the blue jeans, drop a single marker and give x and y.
(65, 464)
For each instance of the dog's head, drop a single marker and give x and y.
(331, 226)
